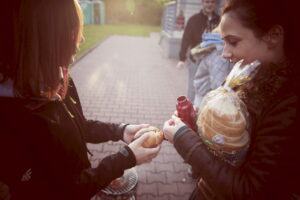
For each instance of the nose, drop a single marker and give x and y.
(226, 54)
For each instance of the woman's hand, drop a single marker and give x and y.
(131, 130)
(171, 126)
(143, 155)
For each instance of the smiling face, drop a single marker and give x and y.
(242, 43)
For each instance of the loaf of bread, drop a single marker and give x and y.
(223, 123)
(154, 140)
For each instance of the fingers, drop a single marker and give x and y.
(176, 119)
(175, 113)
(142, 138)
(138, 135)
(171, 122)
(137, 127)
(167, 123)
(152, 152)
(144, 126)
(196, 109)
(142, 154)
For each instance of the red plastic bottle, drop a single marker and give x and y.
(186, 112)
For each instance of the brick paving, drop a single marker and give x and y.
(128, 79)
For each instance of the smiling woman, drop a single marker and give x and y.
(252, 30)
(240, 40)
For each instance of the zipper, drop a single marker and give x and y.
(68, 111)
(72, 100)
(75, 121)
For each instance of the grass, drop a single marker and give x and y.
(94, 34)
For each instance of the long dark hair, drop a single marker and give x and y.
(260, 17)
(40, 37)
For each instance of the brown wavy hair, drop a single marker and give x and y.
(266, 86)
(41, 37)
(260, 17)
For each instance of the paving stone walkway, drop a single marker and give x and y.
(128, 79)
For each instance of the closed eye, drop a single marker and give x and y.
(234, 43)
(231, 40)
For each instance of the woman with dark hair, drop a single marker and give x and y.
(42, 127)
(254, 30)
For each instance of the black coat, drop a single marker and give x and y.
(271, 168)
(43, 149)
(193, 31)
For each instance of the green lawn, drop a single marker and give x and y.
(93, 34)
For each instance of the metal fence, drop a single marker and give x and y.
(172, 9)
(169, 17)
(189, 8)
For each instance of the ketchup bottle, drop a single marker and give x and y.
(186, 112)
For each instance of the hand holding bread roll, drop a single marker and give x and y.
(154, 140)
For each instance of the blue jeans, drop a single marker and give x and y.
(192, 68)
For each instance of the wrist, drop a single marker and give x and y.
(122, 128)
(179, 131)
(127, 152)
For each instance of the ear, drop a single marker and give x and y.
(274, 36)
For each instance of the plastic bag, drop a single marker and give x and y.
(223, 121)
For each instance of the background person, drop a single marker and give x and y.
(204, 21)
(212, 69)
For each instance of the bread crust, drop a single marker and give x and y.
(155, 138)
(231, 128)
(225, 126)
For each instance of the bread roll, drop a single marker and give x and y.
(155, 138)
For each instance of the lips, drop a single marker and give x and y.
(232, 60)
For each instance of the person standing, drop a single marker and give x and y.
(204, 21)
(43, 129)
(212, 69)
(254, 31)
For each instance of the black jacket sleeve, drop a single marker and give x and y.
(110, 168)
(192, 35)
(186, 40)
(95, 131)
(271, 164)
(64, 161)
